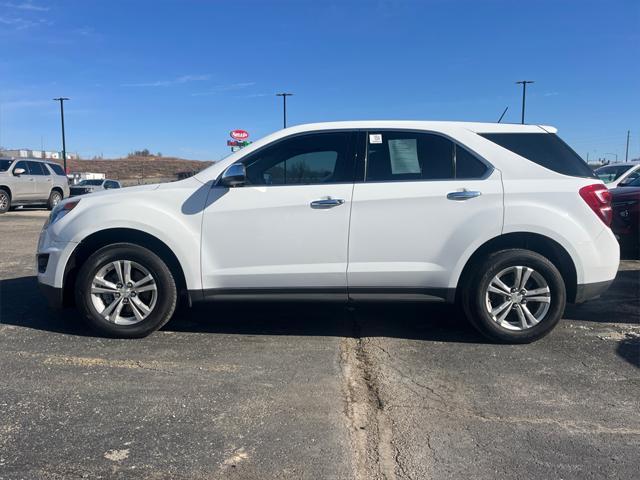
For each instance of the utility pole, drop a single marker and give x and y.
(284, 105)
(626, 155)
(524, 94)
(64, 146)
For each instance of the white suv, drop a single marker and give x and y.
(505, 220)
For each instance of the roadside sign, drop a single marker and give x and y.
(239, 134)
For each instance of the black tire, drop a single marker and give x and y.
(5, 201)
(166, 299)
(474, 296)
(54, 198)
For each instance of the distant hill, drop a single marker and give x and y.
(133, 170)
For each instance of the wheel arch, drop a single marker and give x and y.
(6, 189)
(102, 238)
(57, 189)
(535, 242)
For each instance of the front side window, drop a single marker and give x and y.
(411, 156)
(36, 168)
(23, 165)
(303, 160)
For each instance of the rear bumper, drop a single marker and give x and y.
(52, 294)
(589, 291)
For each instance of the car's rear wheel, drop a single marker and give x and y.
(514, 296)
(126, 291)
(5, 201)
(55, 197)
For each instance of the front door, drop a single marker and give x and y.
(23, 187)
(42, 180)
(426, 201)
(286, 230)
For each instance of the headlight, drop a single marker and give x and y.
(61, 210)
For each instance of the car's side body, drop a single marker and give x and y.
(402, 239)
(35, 185)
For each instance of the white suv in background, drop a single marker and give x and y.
(506, 220)
(31, 182)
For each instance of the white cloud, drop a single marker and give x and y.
(168, 83)
(18, 104)
(25, 6)
(224, 88)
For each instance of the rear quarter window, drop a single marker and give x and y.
(57, 169)
(545, 149)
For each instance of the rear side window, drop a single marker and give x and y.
(36, 168)
(394, 156)
(545, 149)
(57, 169)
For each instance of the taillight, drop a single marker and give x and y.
(598, 197)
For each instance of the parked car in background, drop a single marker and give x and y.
(619, 173)
(506, 220)
(31, 182)
(626, 214)
(90, 186)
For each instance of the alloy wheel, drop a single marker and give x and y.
(518, 298)
(124, 292)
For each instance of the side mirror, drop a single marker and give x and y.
(19, 171)
(234, 176)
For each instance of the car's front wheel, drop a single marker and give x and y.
(514, 296)
(126, 291)
(5, 201)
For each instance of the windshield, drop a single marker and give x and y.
(611, 173)
(5, 164)
(85, 183)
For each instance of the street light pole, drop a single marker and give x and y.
(64, 146)
(524, 94)
(626, 155)
(284, 105)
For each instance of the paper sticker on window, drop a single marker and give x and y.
(375, 138)
(404, 156)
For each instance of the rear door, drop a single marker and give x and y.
(42, 180)
(425, 203)
(23, 187)
(286, 230)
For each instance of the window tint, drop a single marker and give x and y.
(545, 149)
(467, 165)
(5, 164)
(36, 168)
(111, 184)
(57, 169)
(24, 166)
(397, 156)
(305, 159)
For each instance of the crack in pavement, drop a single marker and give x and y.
(375, 455)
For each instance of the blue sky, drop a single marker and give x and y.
(176, 76)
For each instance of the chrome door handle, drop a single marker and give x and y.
(463, 195)
(327, 203)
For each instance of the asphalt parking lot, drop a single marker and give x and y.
(313, 391)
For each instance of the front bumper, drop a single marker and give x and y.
(51, 260)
